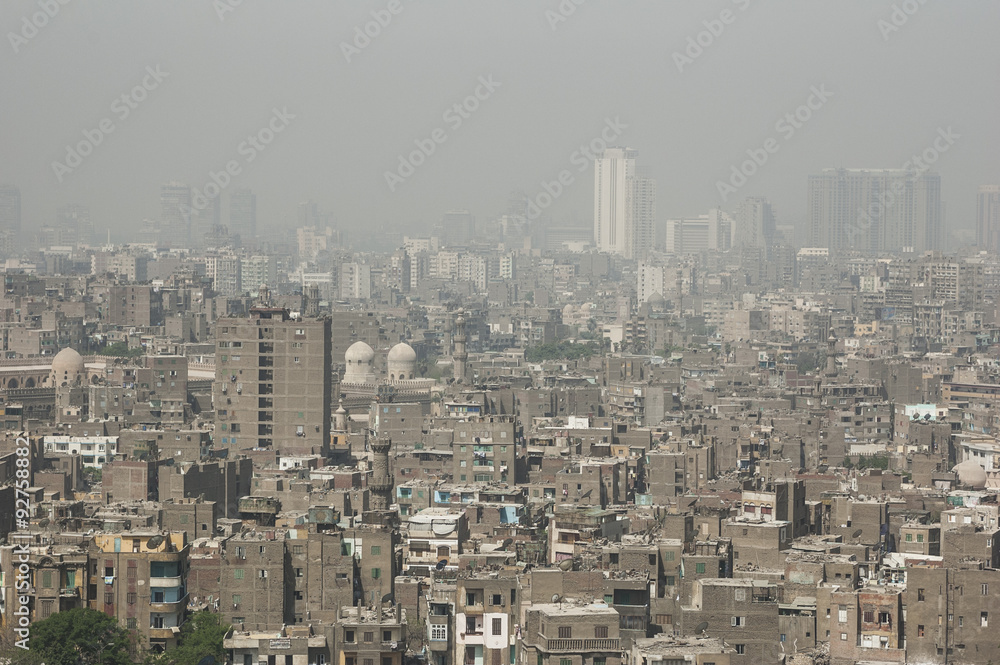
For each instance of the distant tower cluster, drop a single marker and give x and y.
(461, 355)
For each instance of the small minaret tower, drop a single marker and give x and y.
(381, 483)
(831, 356)
(460, 356)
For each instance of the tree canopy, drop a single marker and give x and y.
(200, 636)
(81, 636)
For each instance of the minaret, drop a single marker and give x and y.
(831, 356)
(312, 301)
(460, 356)
(381, 482)
(340, 418)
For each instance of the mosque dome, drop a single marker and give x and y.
(402, 361)
(360, 360)
(67, 367)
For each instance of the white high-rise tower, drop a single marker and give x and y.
(624, 204)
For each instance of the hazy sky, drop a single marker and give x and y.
(223, 73)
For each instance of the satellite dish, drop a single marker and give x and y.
(857, 534)
(556, 598)
(441, 564)
(506, 543)
(44, 522)
(207, 660)
(566, 565)
(701, 628)
(386, 598)
(156, 541)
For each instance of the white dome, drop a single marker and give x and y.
(402, 361)
(359, 352)
(67, 367)
(360, 360)
(402, 352)
(971, 474)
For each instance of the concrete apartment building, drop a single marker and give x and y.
(140, 577)
(273, 383)
(570, 633)
(485, 616)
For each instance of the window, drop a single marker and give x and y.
(868, 616)
(130, 598)
(565, 632)
(109, 598)
(920, 630)
(369, 636)
(984, 619)
(565, 661)
(920, 595)
(237, 599)
(439, 632)
(298, 572)
(920, 537)
(782, 638)
(376, 550)
(376, 573)
(262, 574)
(497, 628)
(237, 573)
(600, 632)
(843, 637)
(47, 579)
(652, 559)
(740, 595)
(131, 623)
(495, 599)
(741, 649)
(297, 549)
(470, 598)
(909, 537)
(699, 568)
(739, 621)
(985, 589)
(349, 636)
(671, 580)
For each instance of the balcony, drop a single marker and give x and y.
(166, 582)
(585, 645)
(69, 592)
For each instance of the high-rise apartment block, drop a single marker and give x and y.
(988, 218)
(273, 382)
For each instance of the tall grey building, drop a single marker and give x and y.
(889, 210)
(175, 214)
(10, 218)
(624, 204)
(243, 213)
(754, 222)
(988, 218)
(273, 382)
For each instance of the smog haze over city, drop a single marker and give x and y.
(500, 332)
(561, 69)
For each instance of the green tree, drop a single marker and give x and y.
(121, 350)
(201, 636)
(81, 637)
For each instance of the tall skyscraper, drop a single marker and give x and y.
(175, 214)
(10, 218)
(890, 210)
(273, 384)
(754, 222)
(988, 218)
(624, 204)
(243, 214)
